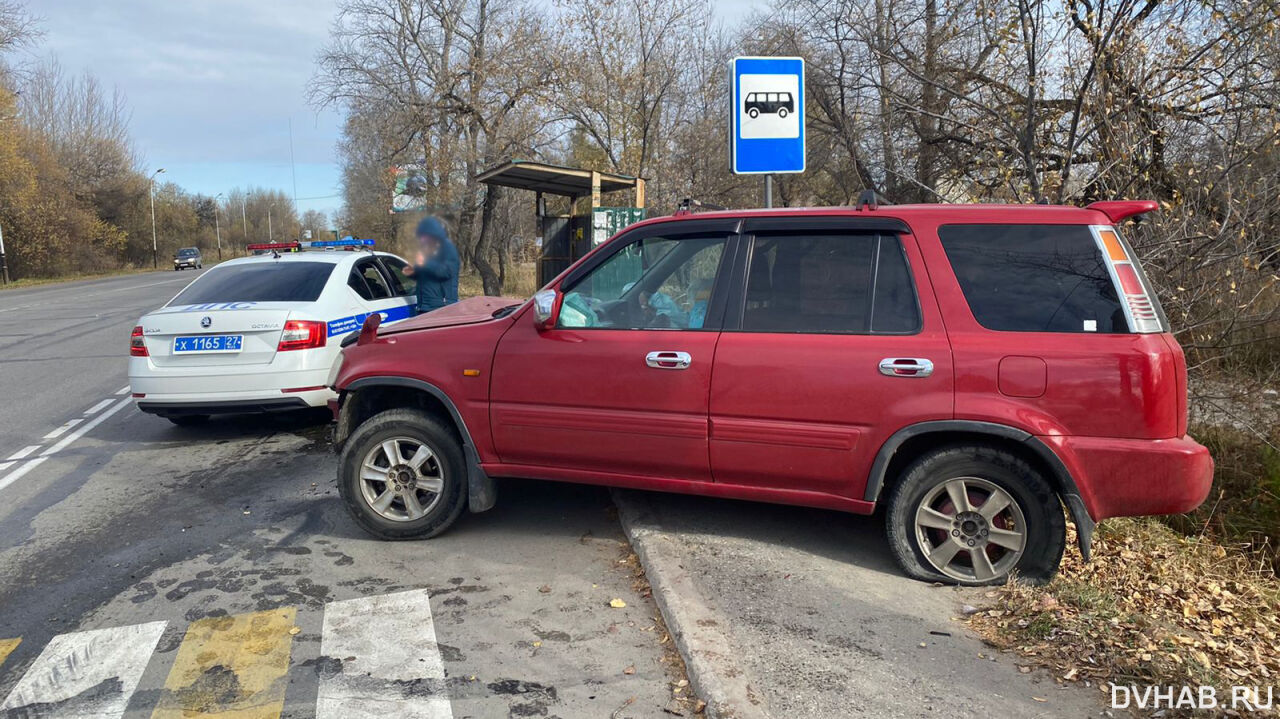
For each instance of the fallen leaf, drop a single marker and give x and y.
(629, 670)
(617, 603)
(294, 630)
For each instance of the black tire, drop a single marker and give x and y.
(423, 429)
(782, 113)
(189, 420)
(1041, 510)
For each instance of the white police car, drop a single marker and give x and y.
(260, 334)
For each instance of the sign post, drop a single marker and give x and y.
(767, 128)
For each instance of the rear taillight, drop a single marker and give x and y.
(1139, 302)
(302, 335)
(137, 346)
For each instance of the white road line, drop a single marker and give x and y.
(99, 406)
(20, 472)
(61, 445)
(381, 642)
(63, 429)
(5, 465)
(123, 390)
(25, 451)
(86, 674)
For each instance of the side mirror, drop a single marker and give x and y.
(546, 308)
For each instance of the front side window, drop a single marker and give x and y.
(1034, 278)
(830, 283)
(655, 283)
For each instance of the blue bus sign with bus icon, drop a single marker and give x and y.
(767, 132)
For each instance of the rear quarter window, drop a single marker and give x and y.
(1034, 278)
(279, 281)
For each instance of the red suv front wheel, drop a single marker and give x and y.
(402, 476)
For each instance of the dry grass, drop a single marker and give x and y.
(521, 282)
(1153, 607)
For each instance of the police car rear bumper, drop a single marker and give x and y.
(229, 391)
(165, 409)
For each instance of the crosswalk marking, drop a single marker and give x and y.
(7, 646)
(232, 667)
(85, 674)
(383, 660)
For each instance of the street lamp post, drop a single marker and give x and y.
(271, 237)
(244, 220)
(216, 227)
(155, 253)
(4, 265)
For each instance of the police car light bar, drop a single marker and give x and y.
(285, 246)
(341, 243)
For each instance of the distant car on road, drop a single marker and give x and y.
(260, 334)
(970, 369)
(188, 257)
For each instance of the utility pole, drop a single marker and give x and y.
(155, 253)
(4, 264)
(270, 235)
(216, 227)
(245, 221)
(768, 190)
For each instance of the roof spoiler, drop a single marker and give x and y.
(1120, 210)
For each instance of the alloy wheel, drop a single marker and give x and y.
(970, 529)
(401, 479)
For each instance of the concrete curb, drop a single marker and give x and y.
(707, 652)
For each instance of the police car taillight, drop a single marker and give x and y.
(302, 335)
(137, 346)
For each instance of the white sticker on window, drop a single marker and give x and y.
(1090, 325)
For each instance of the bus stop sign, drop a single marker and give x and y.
(767, 133)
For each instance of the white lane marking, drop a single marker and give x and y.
(85, 429)
(101, 405)
(123, 390)
(86, 674)
(25, 451)
(63, 429)
(6, 465)
(20, 472)
(392, 640)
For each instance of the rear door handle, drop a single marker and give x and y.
(906, 367)
(668, 360)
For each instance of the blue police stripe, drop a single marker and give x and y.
(354, 322)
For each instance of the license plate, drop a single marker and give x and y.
(203, 344)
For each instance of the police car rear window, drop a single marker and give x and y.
(259, 282)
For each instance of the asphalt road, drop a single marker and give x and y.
(163, 572)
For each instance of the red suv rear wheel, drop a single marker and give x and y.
(975, 515)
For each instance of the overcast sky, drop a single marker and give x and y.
(214, 84)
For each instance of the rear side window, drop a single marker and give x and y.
(1034, 278)
(279, 281)
(375, 284)
(830, 283)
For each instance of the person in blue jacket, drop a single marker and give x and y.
(437, 268)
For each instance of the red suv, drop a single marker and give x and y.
(971, 369)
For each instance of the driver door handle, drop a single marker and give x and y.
(668, 360)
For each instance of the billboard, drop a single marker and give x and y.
(410, 192)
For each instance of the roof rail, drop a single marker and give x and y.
(869, 199)
(689, 206)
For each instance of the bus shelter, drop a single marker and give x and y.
(587, 222)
